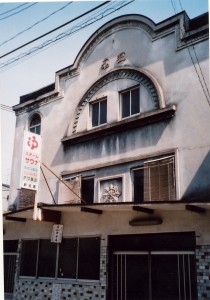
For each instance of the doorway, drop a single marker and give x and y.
(136, 274)
(153, 276)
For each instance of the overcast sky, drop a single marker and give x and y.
(38, 70)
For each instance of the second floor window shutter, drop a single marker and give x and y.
(159, 180)
(71, 194)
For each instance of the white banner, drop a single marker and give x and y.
(31, 156)
(57, 233)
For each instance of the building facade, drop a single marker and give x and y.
(124, 169)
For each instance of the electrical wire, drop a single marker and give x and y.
(6, 12)
(38, 22)
(6, 108)
(197, 59)
(118, 5)
(53, 30)
(62, 181)
(18, 11)
(48, 185)
(206, 93)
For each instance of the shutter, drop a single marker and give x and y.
(72, 193)
(159, 180)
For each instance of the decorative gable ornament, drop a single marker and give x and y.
(105, 64)
(111, 193)
(121, 57)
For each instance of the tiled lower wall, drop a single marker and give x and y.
(203, 271)
(37, 290)
(43, 290)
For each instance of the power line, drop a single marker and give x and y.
(6, 12)
(5, 107)
(38, 22)
(197, 59)
(18, 12)
(187, 45)
(118, 5)
(55, 29)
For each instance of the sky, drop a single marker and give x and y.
(21, 22)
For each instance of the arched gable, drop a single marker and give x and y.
(140, 76)
(120, 23)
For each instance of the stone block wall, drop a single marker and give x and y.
(203, 271)
(26, 198)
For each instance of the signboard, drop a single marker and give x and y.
(57, 233)
(56, 291)
(30, 167)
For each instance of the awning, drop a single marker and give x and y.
(19, 215)
(148, 208)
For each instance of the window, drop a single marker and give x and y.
(88, 189)
(77, 258)
(70, 190)
(130, 102)
(99, 113)
(28, 258)
(35, 124)
(76, 187)
(155, 180)
(47, 258)
(10, 257)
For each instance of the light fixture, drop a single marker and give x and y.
(146, 221)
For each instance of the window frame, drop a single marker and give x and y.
(141, 166)
(130, 89)
(92, 103)
(35, 126)
(56, 276)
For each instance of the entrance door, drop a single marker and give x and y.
(153, 276)
(129, 280)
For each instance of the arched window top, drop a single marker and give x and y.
(35, 124)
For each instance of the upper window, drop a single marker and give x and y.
(155, 180)
(130, 102)
(87, 189)
(75, 188)
(35, 124)
(99, 113)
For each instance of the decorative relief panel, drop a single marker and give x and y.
(105, 64)
(111, 190)
(121, 57)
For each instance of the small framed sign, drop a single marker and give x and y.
(57, 233)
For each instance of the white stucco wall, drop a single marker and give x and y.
(178, 81)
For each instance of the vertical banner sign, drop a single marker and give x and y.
(57, 233)
(30, 160)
